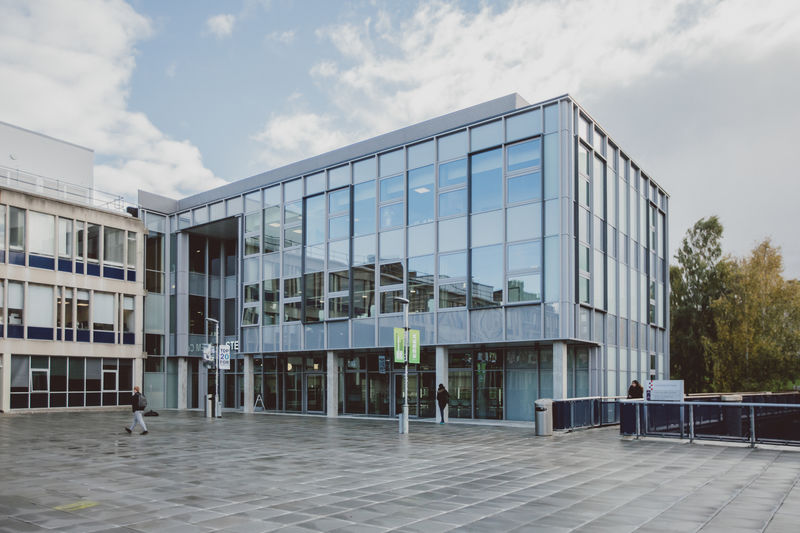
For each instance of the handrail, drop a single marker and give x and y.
(725, 404)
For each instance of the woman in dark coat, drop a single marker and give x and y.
(635, 390)
(442, 397)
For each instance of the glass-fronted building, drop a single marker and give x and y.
(531, 248)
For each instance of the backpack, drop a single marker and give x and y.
(142, 401)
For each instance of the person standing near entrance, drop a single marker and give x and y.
(442, 397)
(635, 390)
(138, 407)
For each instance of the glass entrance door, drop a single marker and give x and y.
(413, 396)
(315, 392)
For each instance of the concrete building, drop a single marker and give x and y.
(71, 291)
(531, 247)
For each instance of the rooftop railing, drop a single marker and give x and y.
(60, 190)
(589, 411)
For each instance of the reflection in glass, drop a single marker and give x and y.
(487, 228)
(272, 229)
(487, 181)
(524, 288)
(453, 173)
(524, 155)
(391, 163)
(420, 195)
(487, 276)
(420, 284)
(315, 219)
(391, 243)
(525, 256)
(524, 222)
(391, 189)
(525, 187)
(451, 146)
(452, 203)
(364, 291)
(453, 265)
(364, 170)
(364, 208)
(452, 234)
(391, 215)
(487, 135)
(421, 240)
(452, 295)
(420, 154)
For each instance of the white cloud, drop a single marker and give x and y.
(67, 70)
(221, 25)
(171, 70)
(282, 37)
(384, 72)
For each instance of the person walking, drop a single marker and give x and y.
(442, 397)
(138, 408)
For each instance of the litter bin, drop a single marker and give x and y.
(210, 406)
(544, 417)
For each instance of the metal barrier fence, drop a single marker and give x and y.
(591, 411)
(752, 422)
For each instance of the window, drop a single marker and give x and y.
(41, 234)
(113, 246)
(293, 224)
(16, 229)
(338, 295)
(272, 229)
(487, 276)
(80, 241)
(83, 309)
(364, 208)
(364, 291)
(16, 305)
(2, 227)
(420, 195)
(420, 284)
(65, 237)
(93, 243)
(40, 298)
(270, 300)
(128, 314)
(103, 317)
(487, 181)
(524, 155)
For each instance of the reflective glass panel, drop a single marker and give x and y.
(420, 154)
(391, 215)
(453, 265)
(364, 250)
(525, 256)
(391, 163)
(338, 177)
(453, 173)
(487, 276)
(453, 234)
(391, 245)
(420, 195)
(364, 208)
(524, 222)
(339, 254)
(339, 227)
(487, 181)
(525, 187)
(364, 170)
(523, 125)
(315, 219)
(453, 203)
(524, 288)
(487, 228)
(392, 189)
(272, 195)
(452, 146)
(524, 155)
(338, 201)
(421, 240)
(292, 190)
(487, 135)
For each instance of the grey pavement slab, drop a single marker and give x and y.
(79, 471)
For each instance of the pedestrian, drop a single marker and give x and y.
(138, 408)
(635, 390)
(442, 397)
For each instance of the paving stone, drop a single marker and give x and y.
(293, 473)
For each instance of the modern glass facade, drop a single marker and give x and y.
(530, 247)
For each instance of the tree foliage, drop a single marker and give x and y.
(757, 346)
(696, 282)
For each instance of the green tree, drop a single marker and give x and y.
(696, 282)
(757, 320)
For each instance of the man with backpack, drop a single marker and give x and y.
(138, 404)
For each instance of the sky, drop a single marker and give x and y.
(179, 97)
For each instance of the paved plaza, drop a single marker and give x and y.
(250, 473)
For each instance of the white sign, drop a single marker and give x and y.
(665, 390)
(208, 352)
(224, 357)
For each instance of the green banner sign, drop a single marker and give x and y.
(413, 346)
(399, 342)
